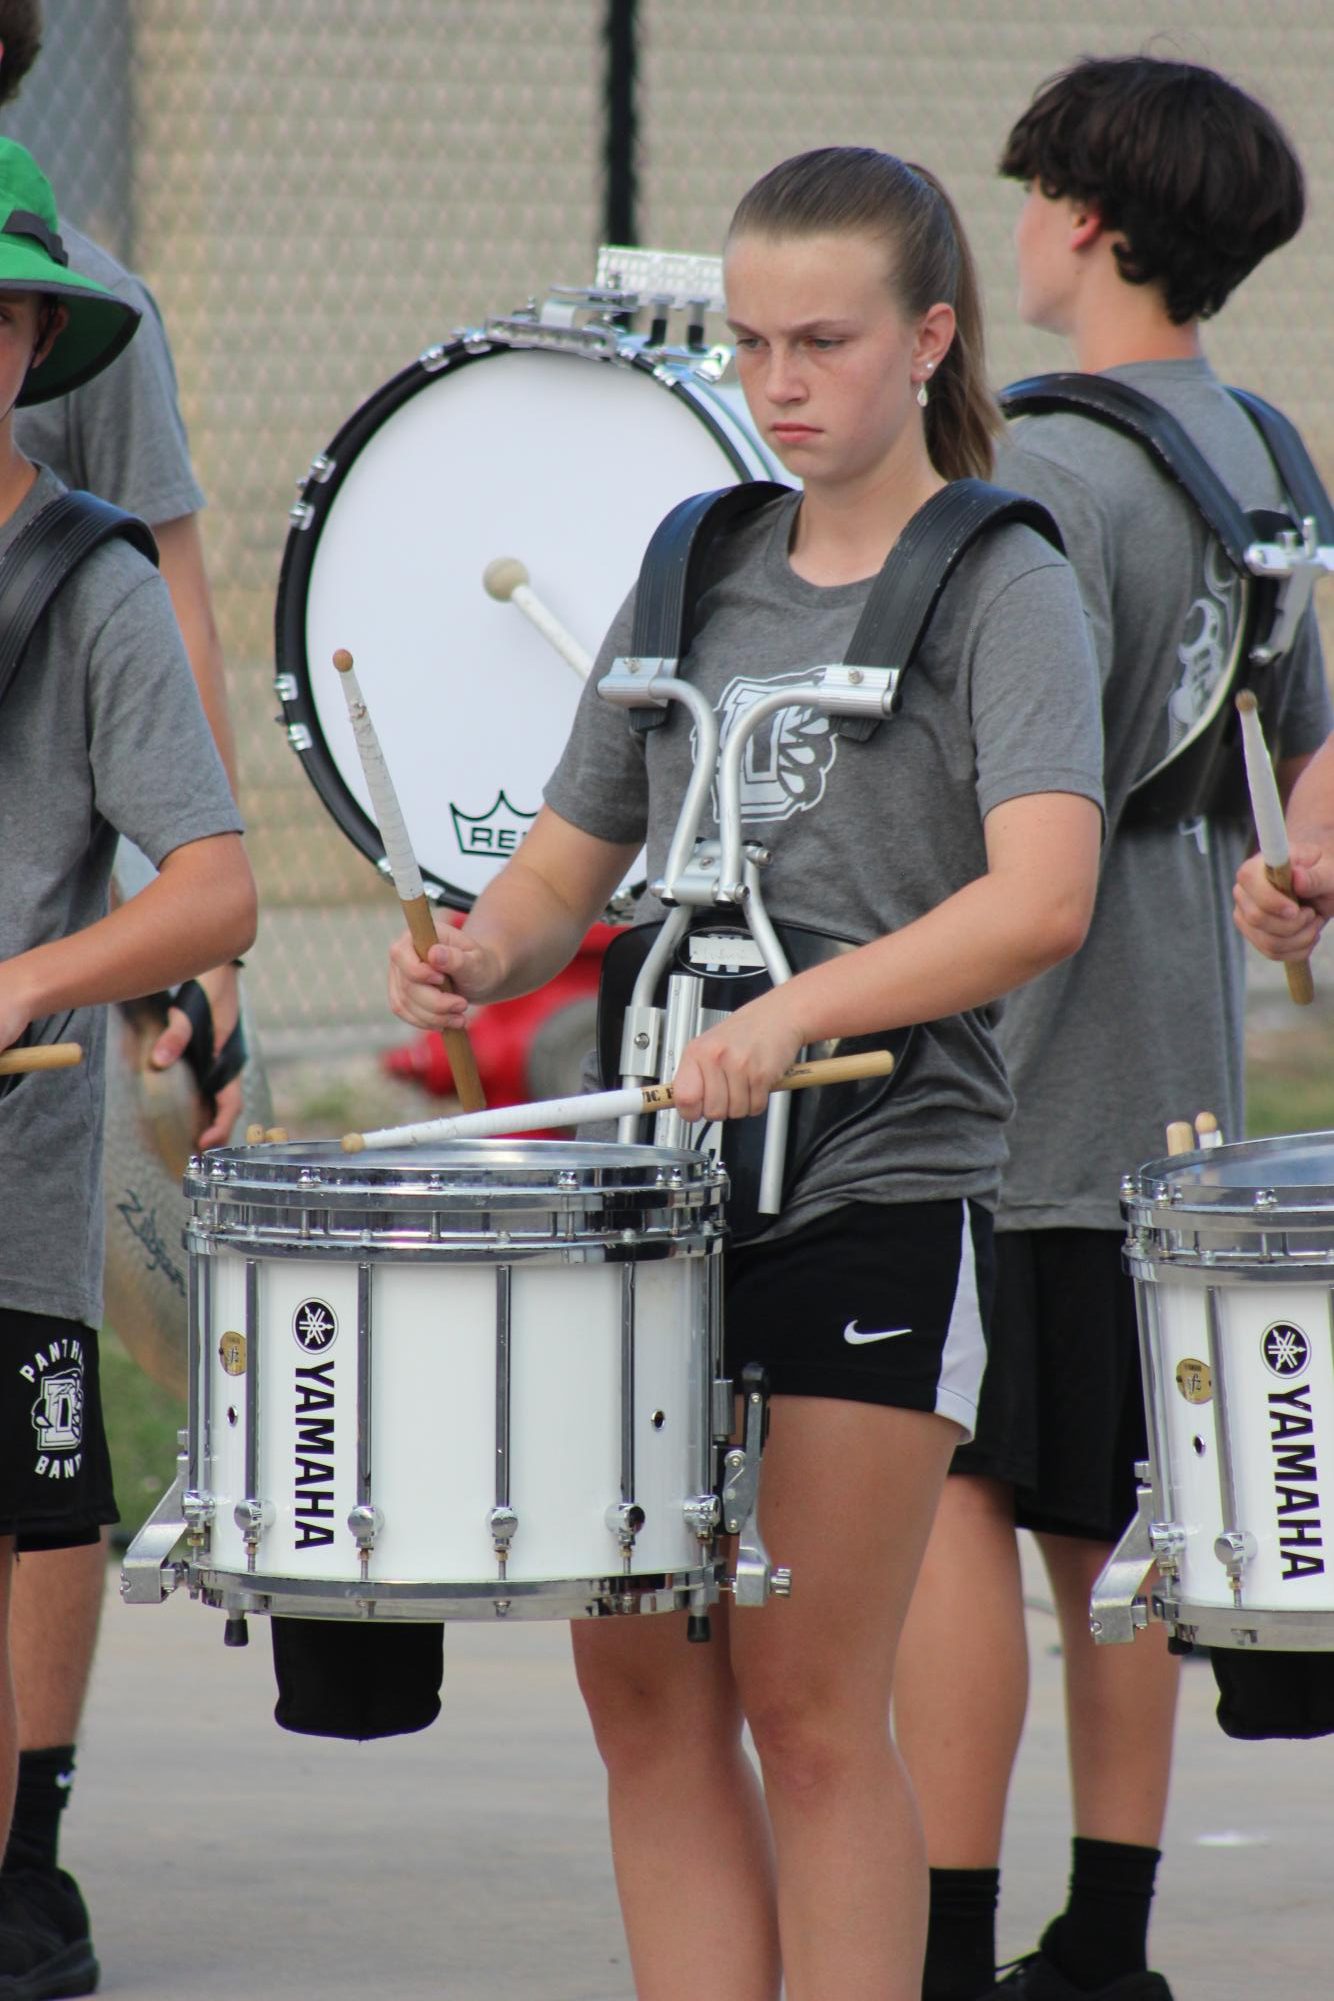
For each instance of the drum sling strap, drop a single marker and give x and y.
(1204, 774)
(45, 554)
(896, 616)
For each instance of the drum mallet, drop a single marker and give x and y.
(506, 580)
(40, 1056)
(600, 1105)
(403, 868)
(1270, 831)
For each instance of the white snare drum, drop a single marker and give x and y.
(1232, 1251)
(566, 460)
(467, 1381)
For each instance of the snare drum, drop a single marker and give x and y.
(467, 1381)
(565, 460)
(1232, 1252)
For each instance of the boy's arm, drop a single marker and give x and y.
(200, 909)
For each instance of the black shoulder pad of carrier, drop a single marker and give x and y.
(44, 554)
(902, 598)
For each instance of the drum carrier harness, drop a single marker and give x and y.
(1278, 557)
(664, 983)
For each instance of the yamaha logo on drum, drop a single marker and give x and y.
(315, 1325)
(1286, 1350)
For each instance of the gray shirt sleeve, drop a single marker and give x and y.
(156, 774)
(601, 782)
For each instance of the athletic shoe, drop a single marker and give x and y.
(45, 1951)
(1037, 1978)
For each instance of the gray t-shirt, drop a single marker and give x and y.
(1001, 701)
(1145, 1023)
(101, 733)
(120, 435)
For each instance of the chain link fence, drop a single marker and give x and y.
(318, 190)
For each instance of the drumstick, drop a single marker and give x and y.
(605, 1105)
(1206, 1130)
(41, 1056)
(1181, 1136)
(403, 868)
(1270, 830)
(506, 579)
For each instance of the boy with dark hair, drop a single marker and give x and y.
(1152, 189)
(102, 734)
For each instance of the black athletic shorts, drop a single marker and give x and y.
(1062, 1413)
(883, 1303)
(55, 1471)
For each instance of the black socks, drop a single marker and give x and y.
(1103, 1931)
(45, 1780)
(961, 1935)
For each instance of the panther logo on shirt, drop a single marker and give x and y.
(1206, 646)
(788, 759)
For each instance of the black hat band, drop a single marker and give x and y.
(22, 222)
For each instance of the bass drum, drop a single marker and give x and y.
(478, 451)
(149, 1140)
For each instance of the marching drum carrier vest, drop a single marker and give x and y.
(896, 615)
(1203, 775)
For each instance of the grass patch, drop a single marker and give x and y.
(1289, 1082)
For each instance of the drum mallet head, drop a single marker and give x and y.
(503, 577)
(342, 660)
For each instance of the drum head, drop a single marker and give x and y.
(565, 463)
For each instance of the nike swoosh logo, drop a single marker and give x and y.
(851, 1334)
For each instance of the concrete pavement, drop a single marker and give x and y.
(224, 1858)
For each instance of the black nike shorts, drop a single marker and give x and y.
(55, 1471)
(884, 1303)
(1062, 1412)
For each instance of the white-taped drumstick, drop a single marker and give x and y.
(1270, 831)
(403, 868)
(506, 579)
(1181, 1137)
(40, 1056)
(600, 1105)
(1207, 1132)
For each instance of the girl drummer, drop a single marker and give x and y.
(957, 848)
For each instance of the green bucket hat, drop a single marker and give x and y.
(33, 259)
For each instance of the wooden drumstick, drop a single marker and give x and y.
(599, 1105)
(506, 579)
(1271, 833)
(40, 1056)
(403, 868)
(1207, 1133)
(1181, 1137)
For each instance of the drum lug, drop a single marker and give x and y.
(754, 1580)
(252, 1517)
(1168, 1542)
(301, 514)
(365, 1522)
(299, 736)
(198, 1509)
(625, 1519)
(703, 1512)
(502, 1522)
(1235, 1548)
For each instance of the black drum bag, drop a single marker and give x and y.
(357, 1678)
(819, 1115)
(1274, 1694)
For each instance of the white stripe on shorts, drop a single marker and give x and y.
(964, 1355)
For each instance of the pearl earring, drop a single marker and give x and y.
(921, 394)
